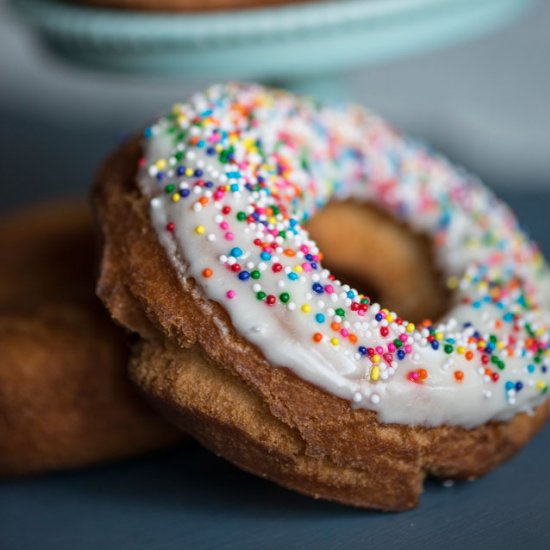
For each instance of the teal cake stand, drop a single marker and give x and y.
(306, 47)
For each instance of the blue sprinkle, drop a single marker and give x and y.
(519, 386)
(209, 184)
(181, 170)
(362, 350)
(244, 275)
(378, 317)
(318, 288)
(435, 344)
(320, 318)
(292, 276)
(265, 256)
(400, 354)
(210, 151)
(236, 252)
(509, 385)
(198, 173)
(531, 368)
(185, 193)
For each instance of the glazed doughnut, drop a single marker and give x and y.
(253, 346)
(65, 400)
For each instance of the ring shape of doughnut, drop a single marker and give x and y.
(266, 356)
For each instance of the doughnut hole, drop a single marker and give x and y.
(382, 258)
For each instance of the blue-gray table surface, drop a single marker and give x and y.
(187, 498)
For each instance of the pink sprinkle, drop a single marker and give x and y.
(408, 349)
(229, 236)
(224, 225)
(230, 294)
(391, 347)
(329, 289)
(344, 332)
(379, 350)
(403, 337)
(304, 248)
(306, 267)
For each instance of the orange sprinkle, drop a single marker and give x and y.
(422, 374)
(352, 338)
(207, 272)
(335, 326)
(469, 356)
(459, 375)
(290, 252)
(317, 337)
(203, 200)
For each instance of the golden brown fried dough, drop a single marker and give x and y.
(217, 386)
(65, 400)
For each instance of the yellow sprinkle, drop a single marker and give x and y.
(272, 219)
(219, 148)
(160, 164)
(460, 350)
(375, 358)
(176, 197)
(452, 282)
(410, 327)
(375, 373)
(334, 341)
(298, 268)
(189, 172)
(306, 308)
(540, 385)
(500, 345)
(200, 229)
(389, 317)
(439, 336)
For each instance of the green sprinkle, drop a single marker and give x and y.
(255, 274)
(261, 295)
(284, 297)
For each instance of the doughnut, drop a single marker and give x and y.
(270, 359)
(65, 400)
(184, 5)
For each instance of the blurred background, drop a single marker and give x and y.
(485, 102)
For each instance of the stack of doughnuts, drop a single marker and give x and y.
(251, 344)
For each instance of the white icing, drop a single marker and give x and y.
(479, 237)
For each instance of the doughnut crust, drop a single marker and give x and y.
(65, 400)
(217, 386)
